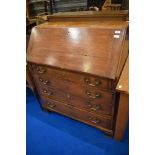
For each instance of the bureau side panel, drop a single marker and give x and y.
(123, 57)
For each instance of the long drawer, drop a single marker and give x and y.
(72, 77)
(81, 90)
(68, 110)
(102, 106)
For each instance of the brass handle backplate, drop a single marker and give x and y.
(89, 105)
(47, 92)
(51, 105)
(40, 70)
(97, 107)
(88, 81)
(45, 82)
(97, 95)
(94, 120)
(92, 107)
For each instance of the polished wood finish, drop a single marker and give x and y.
(79, 55)
(124, 56)
(75, 67)
(123, 83)
(102, 123)
(122, 116)
(86, 93)
(89, 16)
(52, 74)
(77, 95)
(123, 108)
(90, 24)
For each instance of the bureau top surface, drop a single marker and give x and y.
(93, 48)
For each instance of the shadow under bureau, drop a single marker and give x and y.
(76, 66)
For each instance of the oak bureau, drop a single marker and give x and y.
(76, 66)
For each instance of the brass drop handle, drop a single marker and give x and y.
(46, 92)
(45, 82)
(97, 95)
(89, 104)
(97, 83)
(41, 80)
(52, 105)
(40, 70)
(94, 120)
(97, 107)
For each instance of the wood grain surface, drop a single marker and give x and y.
(122, 116)
(123, 107)
(89, 49)
(89, 16)
(102, 123)
(123, 84)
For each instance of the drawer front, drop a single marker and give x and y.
(101, 107)
(86, 92)
(72, 77)
(71, 111)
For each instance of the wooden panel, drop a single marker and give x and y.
(79, 55)
(89, 16)
(123, 107)
(123, 83)
(96, 24)
(99, 122)
(123, 57)
(122, 116)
